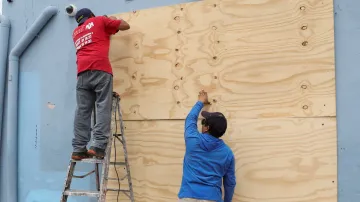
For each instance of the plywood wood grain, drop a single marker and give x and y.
(256, 59)
(277, 159)
(268, 65)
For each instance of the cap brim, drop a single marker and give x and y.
(205, 114)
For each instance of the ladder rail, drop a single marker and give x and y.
(97, 177)
(105, 170)
(67, 184)
(125, 154)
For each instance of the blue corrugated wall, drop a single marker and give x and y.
(47, 77)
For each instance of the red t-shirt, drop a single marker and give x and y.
(92, 43)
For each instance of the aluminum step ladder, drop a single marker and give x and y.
(101, 186)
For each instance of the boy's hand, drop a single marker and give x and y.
(203, 97)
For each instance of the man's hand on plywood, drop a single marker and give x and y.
(203, 97)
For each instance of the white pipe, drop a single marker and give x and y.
(4, 41)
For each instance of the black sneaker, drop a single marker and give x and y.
(97, 152)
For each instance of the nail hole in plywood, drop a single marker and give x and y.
(305, 107)
(177, 65)
(181, 78)
(302, 8)
(214, 57)
(179, 32)
(181, 8)
(214, 28)
(304, 27)
(214, 100)
(176, 49)
(215, 77)
(178, 102)
(215, 5)
(305, 43)
(133, 77)
(176, 18)
(304, 86)
(176, 87)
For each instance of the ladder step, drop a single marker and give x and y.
(118, 163)
(123, 190)
(100, 161)
(81, 193)
(90, 160)
(114, 178)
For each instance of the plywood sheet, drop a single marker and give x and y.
(256, 59)
(277, 159)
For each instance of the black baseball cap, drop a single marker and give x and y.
(216, 121)
(82, 15)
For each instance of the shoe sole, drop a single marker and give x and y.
(78, 158)
(92, 153)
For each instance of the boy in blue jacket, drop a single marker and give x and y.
(208, 160)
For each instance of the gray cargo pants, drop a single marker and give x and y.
(92, 87)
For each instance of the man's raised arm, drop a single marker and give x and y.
(113, 25)
(192, 118)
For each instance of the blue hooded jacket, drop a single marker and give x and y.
(208, 162)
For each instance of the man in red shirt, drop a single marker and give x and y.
(95, 81)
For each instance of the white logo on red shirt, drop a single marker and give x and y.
(90, 25)
(85, 39)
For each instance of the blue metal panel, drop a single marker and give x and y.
(35, 179)
(9, 149)
(347, 43)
